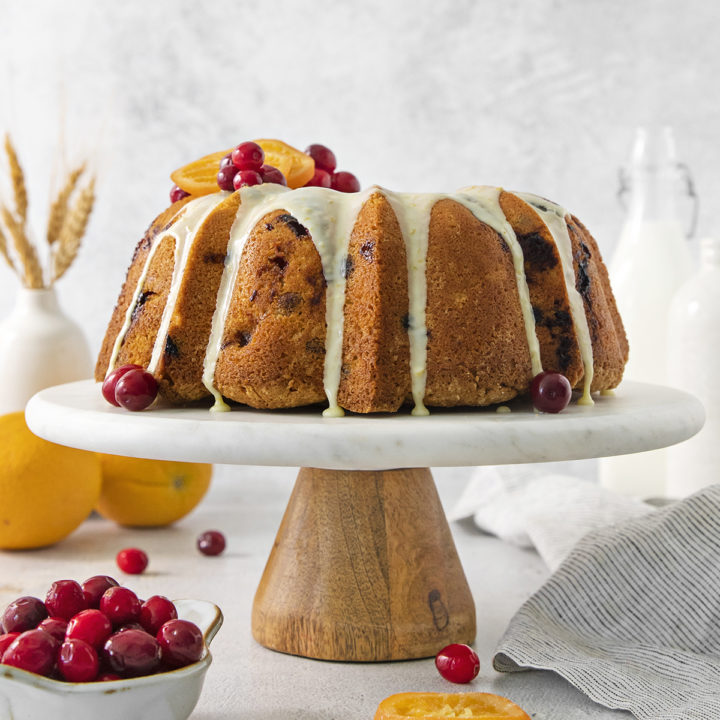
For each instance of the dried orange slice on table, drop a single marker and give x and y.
(469, 706)
(200, 176)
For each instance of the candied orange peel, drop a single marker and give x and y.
(468, 706)
(200, 176)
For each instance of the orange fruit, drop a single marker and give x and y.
(200, 176)
(469, 706)
(46, 490)
(150, 493)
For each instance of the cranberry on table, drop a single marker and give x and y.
(345, 182)
(22, 614)
(177, 193)
(323, 156)
(155, 612)
(550, 392)
(91, 626)
(131, 653)
(33, 650)
(132, 561)
(94, 587)
(108, 386)
(211, 542)
(248, 156)
(120, 605)
(270, 174)
(136, 390)
(65, 599)
(247, 178)
(78, 661)
(55, 626)
(181, 642)
(6, 640)
(321, 178)
(458, 663)
(226, 176)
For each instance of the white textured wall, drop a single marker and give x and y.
(537, 95)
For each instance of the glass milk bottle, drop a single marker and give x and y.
(651, 262)
(693, 348)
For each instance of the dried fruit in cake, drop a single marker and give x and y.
(469, 706)
(150, 493)
(200, 177)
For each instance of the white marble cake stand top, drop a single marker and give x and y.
(638, 417)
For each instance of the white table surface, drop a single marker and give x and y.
(248, 682)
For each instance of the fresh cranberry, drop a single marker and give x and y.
(226, 176)
(65, 599)
(226, 161)
(78, 661)
(321, 178)
(107, 677)
(550, 392)
(136, 390)
(92, 626)
(248, 156)
(6, 640)
(132, 561)
(345, 182)
(132, 626)
(94, 587)
(177, 193)
(247, 178)
(120, 605)
(33, 650)
(181, 642)
(211, 542)
(323, 156)
(457, 663)
(23, 614)
(270, 174)
(108, 386)
(55, 626)
(132, 652)
(155, 612)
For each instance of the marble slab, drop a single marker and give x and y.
(638, 417)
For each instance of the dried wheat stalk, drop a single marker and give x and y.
(72, 231)
(32, 274)
(17, 179)
(60, 206)
(4, 250)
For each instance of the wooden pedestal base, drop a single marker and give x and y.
(363, 568)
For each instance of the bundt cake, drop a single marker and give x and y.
(278, 298)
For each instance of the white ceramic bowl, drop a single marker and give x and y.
(165, 696)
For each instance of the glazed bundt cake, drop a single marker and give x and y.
(367, 301)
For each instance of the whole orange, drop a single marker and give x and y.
(46, 490)
(150, 493)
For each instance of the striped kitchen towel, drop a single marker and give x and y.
(632, 615)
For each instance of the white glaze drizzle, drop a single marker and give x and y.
(554, 218)
(329, 218)
(184, 231)
(184, 222)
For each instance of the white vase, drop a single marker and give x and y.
(39, 346)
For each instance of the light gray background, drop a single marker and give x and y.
(538, 95)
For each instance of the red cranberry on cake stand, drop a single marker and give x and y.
(364, 567)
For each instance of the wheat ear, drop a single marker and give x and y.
(4, 250)
(17, 179)
(72, 231)
(31, 271)
(60, 206)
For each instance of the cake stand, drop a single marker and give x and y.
(364, 566)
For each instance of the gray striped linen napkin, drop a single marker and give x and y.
(632, 615)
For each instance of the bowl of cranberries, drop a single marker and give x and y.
(95, 650)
